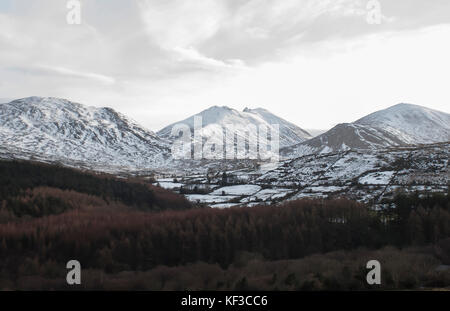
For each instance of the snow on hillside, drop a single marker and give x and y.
(59, 129)
(411, 123)
(216, 119)
(237, 190)
(365, 175)
(291, 133)
(399, 125)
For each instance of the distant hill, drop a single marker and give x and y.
(59, 129)
(215, 119)
(399, 125)
(37, 189)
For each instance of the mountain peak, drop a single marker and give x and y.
(217, 117)
(404, 108)
(406, 105)
(47, 103)
(61, 129)
(215, 107)
(38, 99)
(399, 125)
(413, 124)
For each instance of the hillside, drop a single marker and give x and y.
(412, 124)
(215, 119)
(59, 130)
(399, 125)
(29, 189)
(367, 176)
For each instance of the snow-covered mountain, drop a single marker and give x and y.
(290, 133)
(52, 129)
(57, 129)
(215, 119)
(412, 124)
(399, 125)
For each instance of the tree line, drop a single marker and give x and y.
(18, 178)
(118, 240)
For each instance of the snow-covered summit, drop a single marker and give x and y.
(54, 129)
(412, 124)
(215, 119)
(399, 125)
(61, 129)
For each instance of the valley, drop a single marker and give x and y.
(404, 148)
(368, 177)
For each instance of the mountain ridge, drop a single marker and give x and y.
(215, 118)
(396, 126)
(50, 128)
(68, 130)
(412, 123)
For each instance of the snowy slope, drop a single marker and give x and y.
(215, 119)
(411, 123)
(364, 175)
(346, 136)
(290, 133)
(59, 129)
(399, 125)
(52, 129)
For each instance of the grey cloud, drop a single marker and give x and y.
(347, 20)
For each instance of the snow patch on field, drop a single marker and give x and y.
(377, 178)
(170, 185)
(225, 205)
(324, 189)
(237, 190)
(208, 198)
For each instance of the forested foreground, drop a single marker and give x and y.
(29, 189)
(161, 242)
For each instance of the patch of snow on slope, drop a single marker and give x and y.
(377, 178)
(237, 190)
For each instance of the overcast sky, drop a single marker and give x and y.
(313, 62)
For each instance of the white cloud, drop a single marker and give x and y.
(181, 23)
(78, 74)
(190, 54)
